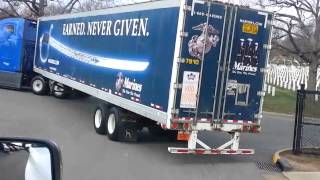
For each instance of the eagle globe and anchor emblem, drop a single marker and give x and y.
(200, 45)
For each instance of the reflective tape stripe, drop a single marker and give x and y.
(210, 151)
(237, 121)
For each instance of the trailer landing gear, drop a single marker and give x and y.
(205, 149)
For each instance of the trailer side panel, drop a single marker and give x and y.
(128, 55)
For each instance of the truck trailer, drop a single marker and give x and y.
(17, 42)
(181, 65)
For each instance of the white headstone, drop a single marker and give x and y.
(273, 91)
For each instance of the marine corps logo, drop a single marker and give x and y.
(201, 45)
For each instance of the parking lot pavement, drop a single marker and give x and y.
(88, 156)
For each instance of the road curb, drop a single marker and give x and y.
(282, 163)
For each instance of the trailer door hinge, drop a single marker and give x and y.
(270, 23)
(184, 34)
(181, 60)
(187, 8)
(264, 70)
(261, 93)
(177, 86)
(174, 111)
(258, 116)
(267, 46)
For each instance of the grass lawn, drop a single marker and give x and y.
(283, 102)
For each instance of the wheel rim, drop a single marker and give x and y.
(37, 85)
(111, 123)
(58, 90)
(98, 118)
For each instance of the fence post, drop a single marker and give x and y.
(298, 120)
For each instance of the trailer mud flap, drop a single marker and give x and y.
(128, 131)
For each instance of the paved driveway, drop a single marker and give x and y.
(88, 156)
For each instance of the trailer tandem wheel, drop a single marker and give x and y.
(114, 123)
(60, 91)
(100, 119)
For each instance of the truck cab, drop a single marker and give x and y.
(17, 41)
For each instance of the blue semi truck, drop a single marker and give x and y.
(17, 42)
(177, 67)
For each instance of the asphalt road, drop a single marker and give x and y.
(89, 156)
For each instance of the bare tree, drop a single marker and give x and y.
(298, 32)
(89, 5)
(7, 8)
(36, 8)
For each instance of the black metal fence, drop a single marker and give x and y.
(307, 122)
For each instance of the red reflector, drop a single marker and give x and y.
(231, 151)
(246, 151)
(186, 125)
(215, 151)
(182, 150)
(199, 151)
(174, 125)
(256, 129)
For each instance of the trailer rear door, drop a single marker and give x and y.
(222, 64)
(202, 51)
(247, 58)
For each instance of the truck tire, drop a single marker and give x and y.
(114, 123)
(39, 85)
(60, 91)
(100, 119)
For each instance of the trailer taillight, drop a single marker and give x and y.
(186, 126)
(174, 125)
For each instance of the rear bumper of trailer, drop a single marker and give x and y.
(231, 147)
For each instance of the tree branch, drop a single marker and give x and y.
(7, 12)
(69, 6)
(12, 8)
(31, 9)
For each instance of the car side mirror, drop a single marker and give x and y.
(29, 159)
